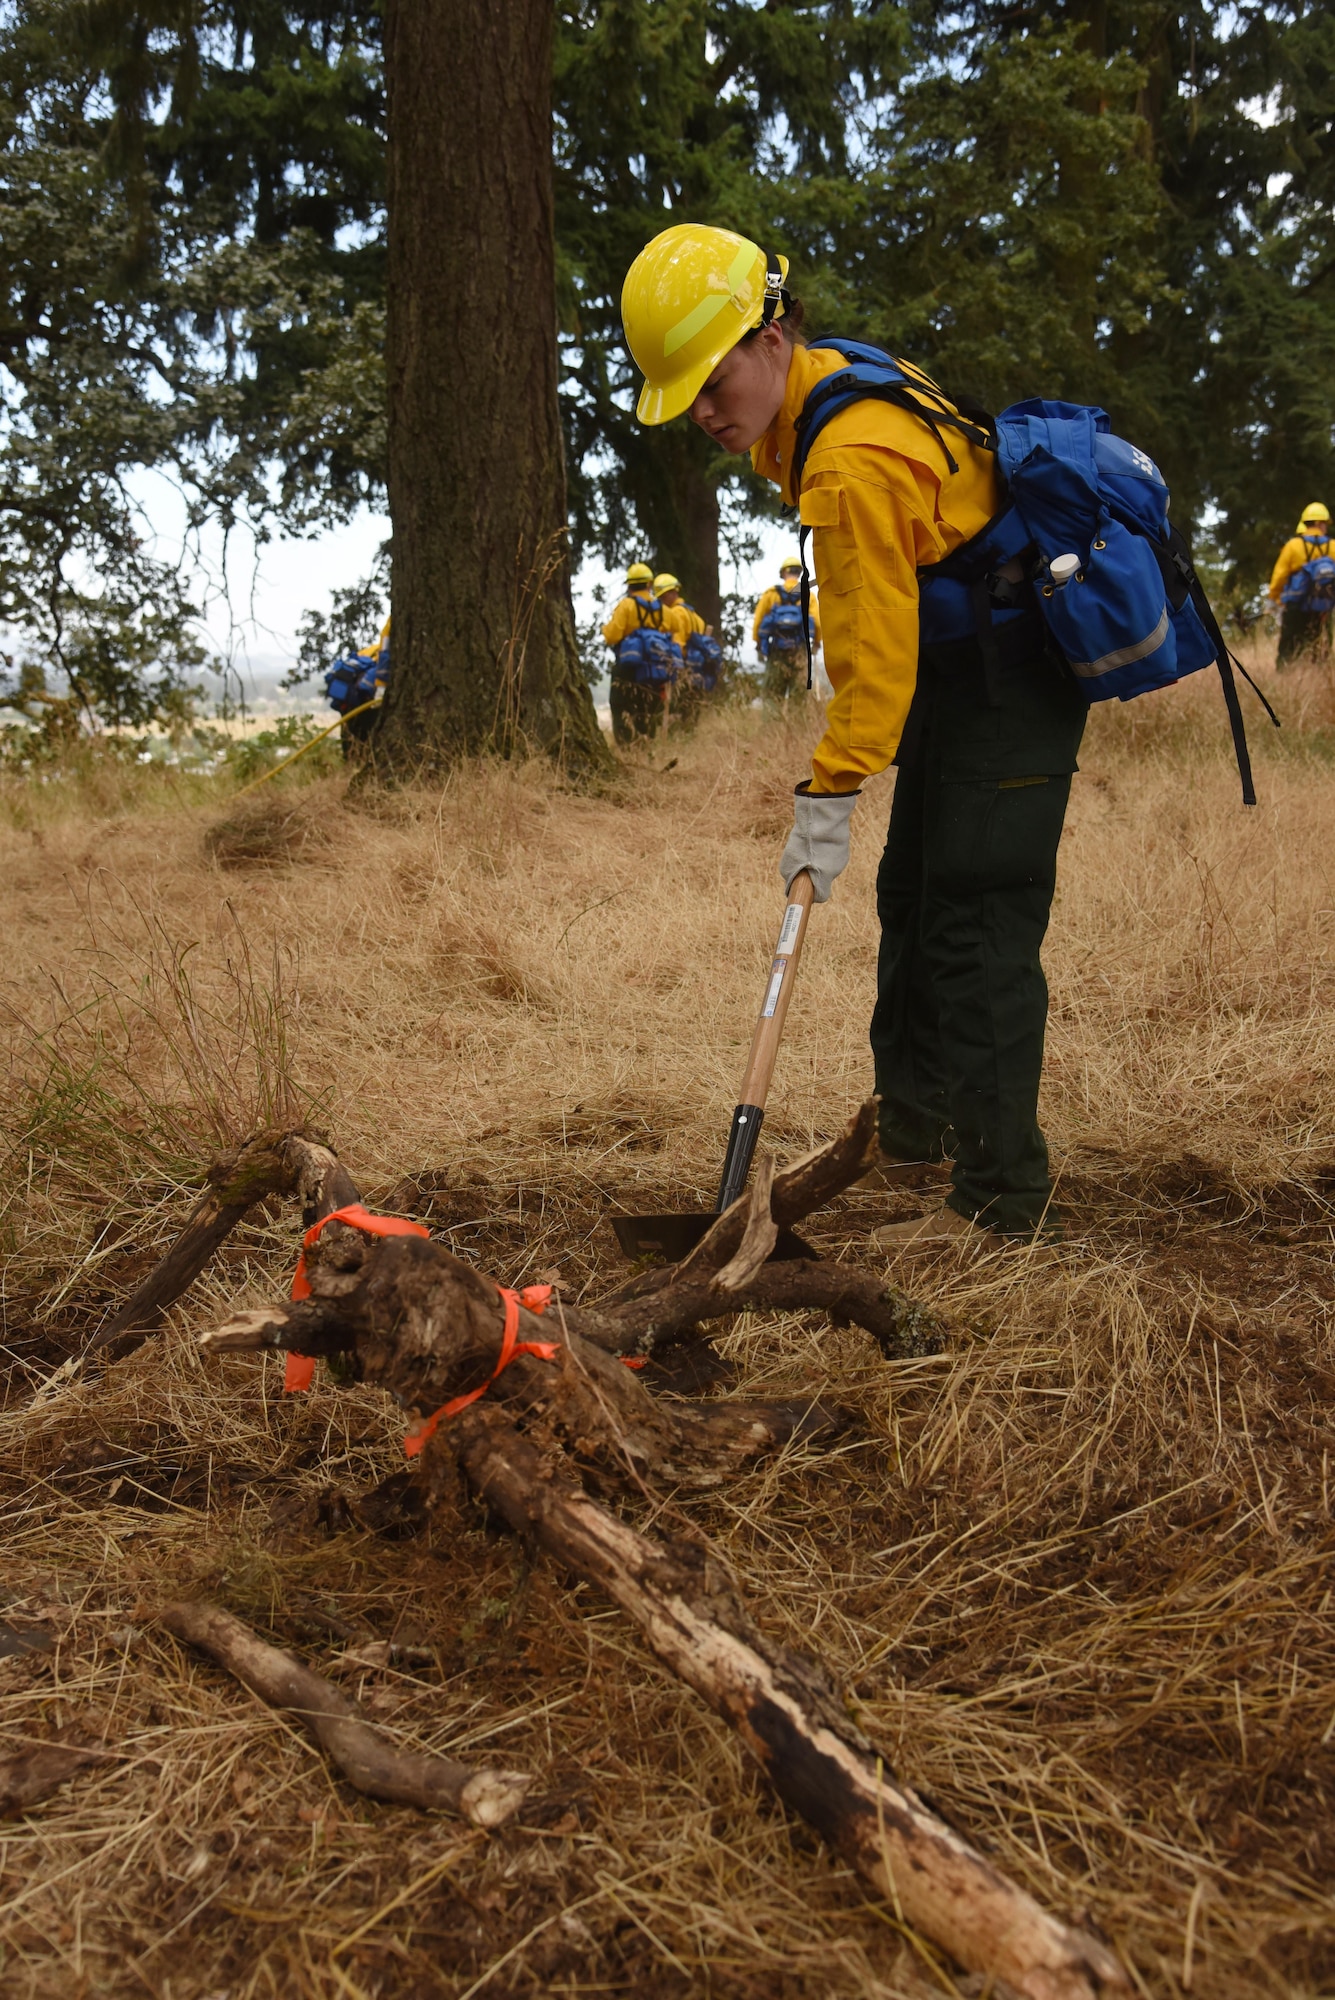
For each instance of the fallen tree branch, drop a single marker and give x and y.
(411, 1778)
(900, 1328)
(795, 1192)
(788, 1716)
(291, 1163)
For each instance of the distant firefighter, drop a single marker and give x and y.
(780, 634)
(702, 654)
(1303, 586)
(353, 682)
(648, 657)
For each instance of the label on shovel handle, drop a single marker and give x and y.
(792, 924)
(772, 997)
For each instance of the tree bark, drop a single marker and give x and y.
(790, 1719)
(675, 498)
(292, 1163)
(484, 637)
(367, 1760)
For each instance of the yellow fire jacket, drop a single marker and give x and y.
(1295, 552)
(774, 596)
(881, 501)
(381, 646)
(681, 620)
(626, 616)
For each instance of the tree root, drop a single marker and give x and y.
(289, 1163)
(405, 1314)
(417, 1322)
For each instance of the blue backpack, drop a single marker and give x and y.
(704, 658)
(1312, 587)
(649, 655)
(351, 681)
(1084, 532)
(785, 624)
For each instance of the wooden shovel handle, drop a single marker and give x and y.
(778, 992)
(749, 1115)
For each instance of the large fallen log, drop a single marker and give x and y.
(400, 1777)
(789, 1717)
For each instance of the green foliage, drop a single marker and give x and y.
(675, 111)
(191, 284)
(1109, 200)
(248, 757)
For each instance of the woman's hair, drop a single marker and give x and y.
(790, 325)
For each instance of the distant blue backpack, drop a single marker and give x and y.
(1312, 587)
(649, 655)
(704, 659)
(785, 624)
(1083, 536)
(351, 681)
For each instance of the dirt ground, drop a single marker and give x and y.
(1073, 1573)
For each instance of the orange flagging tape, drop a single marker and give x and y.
(536, 1298)
(300, 1371)
(301, 1367)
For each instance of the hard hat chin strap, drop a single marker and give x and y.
(775, 295)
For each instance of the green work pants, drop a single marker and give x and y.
(964, 895)
(1303, 635)
(636, 710)
(785, 672)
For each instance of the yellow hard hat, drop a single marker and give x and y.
(1316, 512)
(789, 562)
(688, 298)
(639, 573)
(665, 582)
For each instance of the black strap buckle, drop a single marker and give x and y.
(775, 294)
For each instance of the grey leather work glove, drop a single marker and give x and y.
(819, 839)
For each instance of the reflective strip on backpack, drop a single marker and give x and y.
(1123, 657)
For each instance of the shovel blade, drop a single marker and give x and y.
(672, 1237)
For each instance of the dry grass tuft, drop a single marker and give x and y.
(1074, 1572)
(281, 828)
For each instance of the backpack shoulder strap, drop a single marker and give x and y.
(872, 374)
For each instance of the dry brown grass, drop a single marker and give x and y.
(1074, 1572)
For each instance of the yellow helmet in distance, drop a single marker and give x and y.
(639, 573)
(1316, 512)
(665, 582)
(789, 562)
(688, 298)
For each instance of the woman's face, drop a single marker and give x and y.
(744, 394)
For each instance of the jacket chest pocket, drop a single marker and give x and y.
(838, 565)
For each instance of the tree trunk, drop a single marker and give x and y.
(484, 638)
(668, 481)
